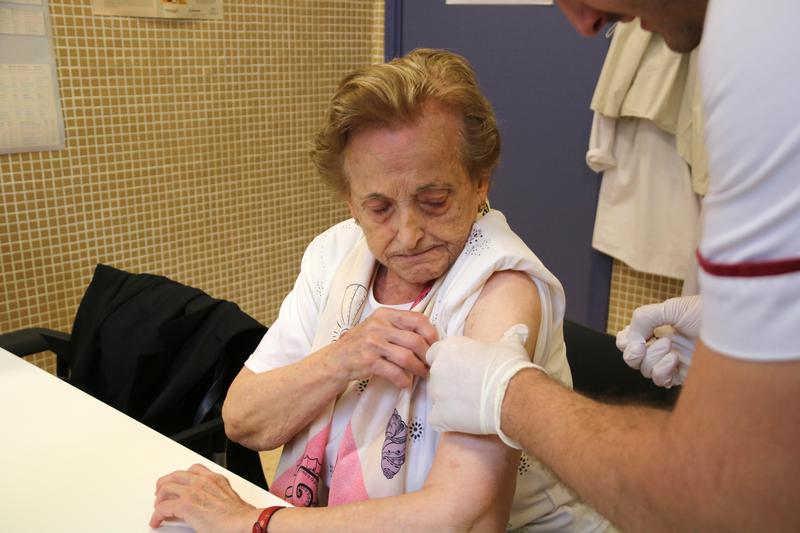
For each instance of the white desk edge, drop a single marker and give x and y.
(72, 463)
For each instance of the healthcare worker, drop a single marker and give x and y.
(728, 456)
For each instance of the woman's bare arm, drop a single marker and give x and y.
(265, 410)
(257, 407)
(470, 486)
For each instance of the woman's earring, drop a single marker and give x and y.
(483, 208)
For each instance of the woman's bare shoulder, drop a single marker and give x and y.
(509, 297)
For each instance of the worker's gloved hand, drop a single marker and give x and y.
(468, 381)
(660, 339)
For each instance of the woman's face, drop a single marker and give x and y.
(412, 196)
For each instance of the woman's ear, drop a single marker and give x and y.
(483, 189)
(352, 209)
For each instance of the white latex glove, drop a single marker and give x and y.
(468, 381)
(666, 360)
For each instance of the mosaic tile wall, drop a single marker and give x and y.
(630, 289)
(186, 153)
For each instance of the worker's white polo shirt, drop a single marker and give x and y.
(750, 248)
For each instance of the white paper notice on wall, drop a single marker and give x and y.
(15, 21)
(170, 9)
(28, 113)
(30, 107)
(503, 2)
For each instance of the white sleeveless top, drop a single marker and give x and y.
(541, 503)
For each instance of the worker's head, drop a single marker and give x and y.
(679, 22)
(398, 94)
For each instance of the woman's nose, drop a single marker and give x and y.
(410, 230)
(586, 20)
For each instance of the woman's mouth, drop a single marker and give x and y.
(413, 255)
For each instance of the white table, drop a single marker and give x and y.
(69, 462)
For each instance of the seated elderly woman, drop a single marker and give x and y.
(340, 378)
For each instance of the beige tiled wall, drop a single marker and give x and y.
(186, 153)
(630, 289)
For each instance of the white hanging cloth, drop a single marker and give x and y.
(647, 213)
(645, 140)
(643, 78)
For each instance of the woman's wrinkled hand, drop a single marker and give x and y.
(390, 343)
(202, 499)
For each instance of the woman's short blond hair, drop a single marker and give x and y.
(394, 94)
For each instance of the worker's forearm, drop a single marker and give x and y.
(606, 453)
(264, 411)
(725, 459)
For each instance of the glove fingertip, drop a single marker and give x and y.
(632, 360)
(622, 338)
(663, 381)
(634, 352)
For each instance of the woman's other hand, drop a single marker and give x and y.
(202, 499)
(390, 343)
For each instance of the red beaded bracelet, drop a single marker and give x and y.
(263, 519)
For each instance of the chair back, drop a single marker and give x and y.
(599, 371)
(160, 351)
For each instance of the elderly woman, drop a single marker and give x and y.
(340, 378)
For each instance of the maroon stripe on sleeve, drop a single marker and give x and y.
(754, 269)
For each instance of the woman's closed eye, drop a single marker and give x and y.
(378, 208)
(434, 203)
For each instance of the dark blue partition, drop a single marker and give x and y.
(540, 75)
